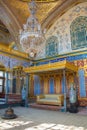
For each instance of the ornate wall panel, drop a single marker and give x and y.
(51, 85)
(37, 87)
(57, 84)
(51, 46)
(82, 83)
(78, 31)
(61, 29)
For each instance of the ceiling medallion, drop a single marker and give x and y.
(40, 1)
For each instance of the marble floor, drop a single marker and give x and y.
(36, 119)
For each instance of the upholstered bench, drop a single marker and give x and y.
(14, 98)
(50, 99)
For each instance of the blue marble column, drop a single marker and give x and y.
(27, 89)
(65, 103)
(7, 88)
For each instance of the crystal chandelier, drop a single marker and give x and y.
(31, 35)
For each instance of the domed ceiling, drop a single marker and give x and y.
(20, 7)
(14, 13)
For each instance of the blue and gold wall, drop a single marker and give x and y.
(67, 34)
(66, 39)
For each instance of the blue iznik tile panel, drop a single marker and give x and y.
(82, 83)
(78, 31)
(11, 62)
(51, 46)
(71, 29)
(68, 58)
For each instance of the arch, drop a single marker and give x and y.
(58, 11)
(78, 31)
(51, 46)
(8, 18)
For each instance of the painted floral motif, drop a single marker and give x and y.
(61, 28)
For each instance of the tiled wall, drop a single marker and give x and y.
(11, 62)
(61, 30)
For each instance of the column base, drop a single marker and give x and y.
(73, 108)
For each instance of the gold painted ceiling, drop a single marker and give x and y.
(21, 9)
(14, 13)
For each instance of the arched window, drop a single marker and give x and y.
(2, 78)
(78, 31)
(51, 46)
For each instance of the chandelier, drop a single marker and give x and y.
(31, 35)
